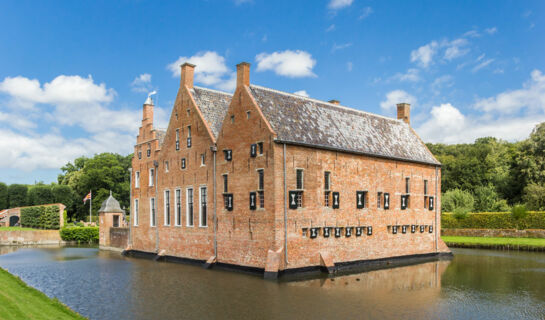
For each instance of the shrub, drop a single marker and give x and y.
(494, 220)
(519, 212)
(534, 196)
(487, 200)
(460, 213)
(457, 198)
(41, 217)
(80, 234)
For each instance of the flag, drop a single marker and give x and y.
(87, 197)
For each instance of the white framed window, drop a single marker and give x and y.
(203, 159)
(151, 176)
(135, 211)
(178, 204)
(167, 207)
(203, 213)
(137, 179)
(189, 207)
(261, 187)
(166, 166)
(152, 212)
(177, 137)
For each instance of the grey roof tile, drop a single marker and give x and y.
(306, 121)
(213, 105)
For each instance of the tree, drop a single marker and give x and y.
(39, 194)
(487, 200)
(63, 194)
(531, 160)
(457, 199)
(3, 196)
(534, 196)
(17, 195)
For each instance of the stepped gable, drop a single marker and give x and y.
(213, 105)
(304, 121)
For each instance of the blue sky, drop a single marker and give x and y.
(74, 74)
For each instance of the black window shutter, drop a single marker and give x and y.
(336, 200)
(413, 228)
(292, 198)
(327, 232)
(403, 202)
(422, 229)
(369, 230)
(189, 142)
(348, 232)
(394, 229)
(360, 199)
(183, 163)
(229, 202)
(431, 229)
(252, 200)
(404, 229)
(386, 201)
(359, 231)
(228, 154)
(337, 232)
(314, 232)
(253, 150)
(430, 205)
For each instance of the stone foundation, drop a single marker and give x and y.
(495, 233)
(30, 237)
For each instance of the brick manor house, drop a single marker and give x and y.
(274, 182)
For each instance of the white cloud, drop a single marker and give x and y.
(302, 93)
(366, 12)
(395, 97)
(482, 65)
(456, 48)
(412, 75)
(210, 69)
(530, 97)
(341, 46)
(441, 82)
(339, 4)
(472, 34)
(240, 2)
(293, 64)
(142, 83)
(330, 28)
(491, 30)
(423, 56)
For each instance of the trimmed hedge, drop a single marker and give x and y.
(80, 234)
(494, 220)
(41, 217)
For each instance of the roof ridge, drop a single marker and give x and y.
(213, 90)
(326, 103)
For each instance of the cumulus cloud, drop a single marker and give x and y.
(288, 63)
(366, 12)
(142, 83)
(302, 93)
(456, 48)
(423, 56)
(491, 30)
(395, 97)
(339, 4)
(210, 70)
(482, 65)
(412, 75)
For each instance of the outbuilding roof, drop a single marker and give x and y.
(111, 205)
(304, 121)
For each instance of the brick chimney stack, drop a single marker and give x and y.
(187, 73)
(147, 115)
(337, 102)
(404, 112)
(243, 74)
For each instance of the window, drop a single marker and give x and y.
(225, 183)
(148, 152)
(178, 202)
(202, 212)
(167, 207)
(379, 199)
(188, 112)
(261, 187)
(361, 199)
(247, 114)
(407, 185)
(182, 163)
(232, 119)
(425, 202)
(299, 178)
(327, 191)
(166, 166)
(299, 199)
(136, 209)
(203, 160)
(116, 221)
(177, 137)
(189, 136)
(425, 186)
(152, 212)
(139, 154)
(189, 208)
(137, 179)
(151, 176)
(260, 147)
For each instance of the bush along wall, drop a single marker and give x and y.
(494, 220)
(42, 217)
(80, 234)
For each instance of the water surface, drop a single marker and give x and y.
(476, 284)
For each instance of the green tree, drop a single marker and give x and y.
(3, 196)
(17, 195)
(487, 200)
(534, 197)
(39, 194)
(531, 159)
(457, 199)
(63, 194)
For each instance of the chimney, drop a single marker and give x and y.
(337, 102)
(243, 74)
(404, 112)
(188, 70)
(147, 115)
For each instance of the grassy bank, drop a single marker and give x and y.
(19, 301)
(15, 229)
(495, 243)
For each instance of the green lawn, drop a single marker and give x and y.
(19, 301)
(15, 228)
(528, 242)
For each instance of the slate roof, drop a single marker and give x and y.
(111, 205)
(300, 120)
(213, 105)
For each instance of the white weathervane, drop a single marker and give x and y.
(149, 100)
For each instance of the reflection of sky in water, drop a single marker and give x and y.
(477, 284)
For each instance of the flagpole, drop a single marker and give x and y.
(90, 207)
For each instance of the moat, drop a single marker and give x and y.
(475, 284)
